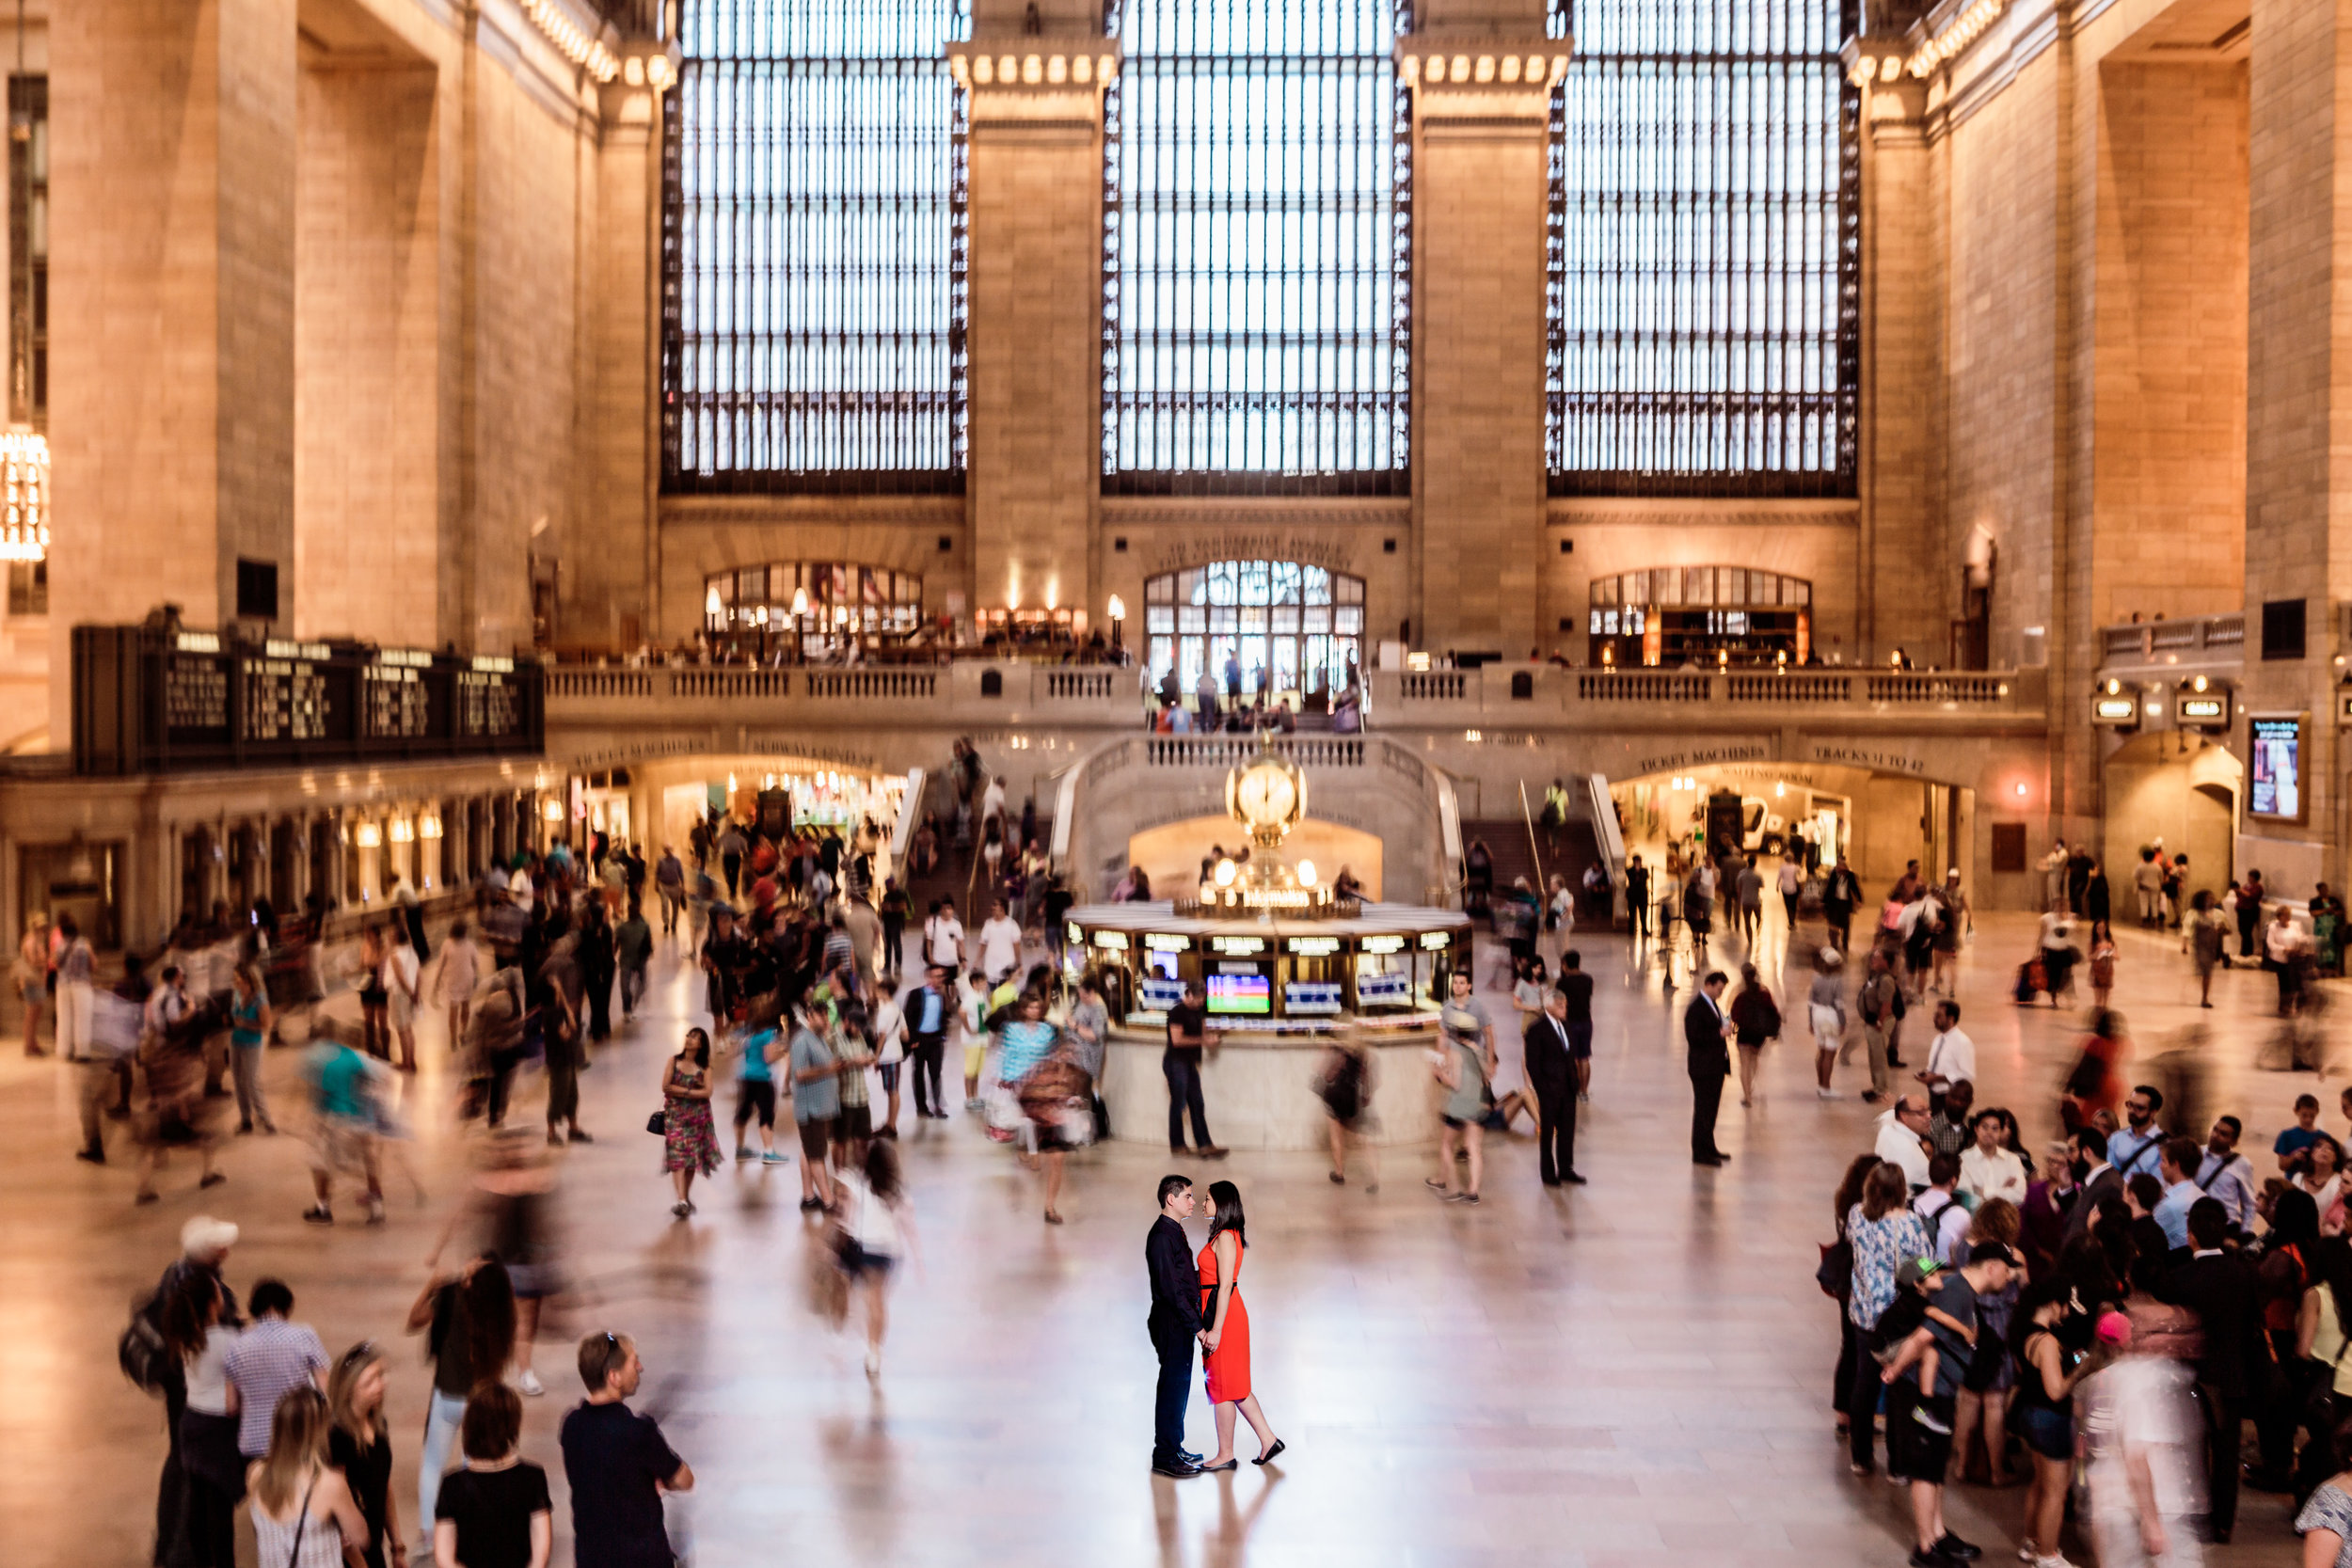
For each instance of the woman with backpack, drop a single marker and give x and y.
(1755, 1019)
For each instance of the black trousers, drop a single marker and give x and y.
(2225, 1425)
(1183, 1092)
(1172, 1342)
(171, 1488)
(1555, 1130)
(928, 1052)
(1707, 1098)
(1862, 1399)
(1639, 909)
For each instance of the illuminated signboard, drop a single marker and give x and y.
(2115, 710)
(1436, 941)
(1237, 945)
(1111, 942)
(2204, 710)
(1382, 945)
(1314, 946)
(2274, 787)
(1160, 942)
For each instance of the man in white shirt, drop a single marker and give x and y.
(942, 941)
(1903, 1139)
(2226, 1175)
(1791, 881)
(1000, 944)
(1951, 1055)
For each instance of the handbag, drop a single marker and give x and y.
(1835, 1274)
(659, 1123)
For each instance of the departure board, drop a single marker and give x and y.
(400, 704)
(282, 698)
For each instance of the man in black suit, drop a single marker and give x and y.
(1704, 1030)
(1175, 1324)
(2217, 1286)
(1552, 1073)
(2094, 1179)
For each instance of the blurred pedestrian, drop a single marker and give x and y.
(344, 1096)
(303, 1512)
(1345, 1085)
(459, 977)
(402, 990)
(466, 1316)
(1754, 1020)
(689, 1146)
(618, 1464)
(512, 1216)
(30, 973)
(632, 945)
(1225, 1331)
(875, 1228)
(249, 1024)
(816, 1074)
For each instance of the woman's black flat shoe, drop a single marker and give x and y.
(1271, 1454)
(1234, 1464)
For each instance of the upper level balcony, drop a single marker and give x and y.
(967, 694)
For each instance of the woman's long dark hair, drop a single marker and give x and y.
(697, 1046)
(1849, 1190)
(489, 1301)
(1229, 1212)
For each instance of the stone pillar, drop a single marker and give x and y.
(1481, 128)
(612, 588)
(2298, 517)
(1035, 297)
(171, 377)
(1903, 567)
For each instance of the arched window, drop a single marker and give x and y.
(1672, 616)
(1293, 629)
(820, 601)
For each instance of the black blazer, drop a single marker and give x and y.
(1703, 1033)
(2221, 1291)
(2087, 1199)
(1175, 1282)
(1550, 1068)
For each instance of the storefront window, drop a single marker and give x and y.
(1674, 615)
(1295, 630)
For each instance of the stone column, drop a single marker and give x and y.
(1481, 128)
(1035, 310)
(171, 377)
(2298, 515)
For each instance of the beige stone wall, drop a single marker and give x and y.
(366, 337)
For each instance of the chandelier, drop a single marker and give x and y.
(23, 496)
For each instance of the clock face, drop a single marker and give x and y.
(1267, 795)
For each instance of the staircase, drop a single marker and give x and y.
(1506, 842)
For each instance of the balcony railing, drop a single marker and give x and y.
(2197, 638)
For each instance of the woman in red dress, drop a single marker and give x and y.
(1225, 1339)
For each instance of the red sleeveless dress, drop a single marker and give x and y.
(1226, 1368)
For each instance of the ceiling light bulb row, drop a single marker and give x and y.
(1031, 70)
(1947, 45)
(580, 46)
(1462, 70)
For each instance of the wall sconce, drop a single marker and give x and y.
(552, 811)
(367, 835)
(404, 831)
(429, 825)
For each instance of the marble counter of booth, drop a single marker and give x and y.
(1259, 1087)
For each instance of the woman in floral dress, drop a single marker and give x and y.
(689, 1143)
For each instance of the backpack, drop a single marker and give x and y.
(141, 1353)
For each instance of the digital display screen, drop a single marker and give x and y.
(1161, 993)
(1308, 998)
(1241, 993)
(1382, 990)
(2276, 787)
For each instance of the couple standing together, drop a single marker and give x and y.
(1198, 1299)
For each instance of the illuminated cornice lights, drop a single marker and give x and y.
(1484, 69)
(23, 496)
(578, 45)
(1031, 70)
(1947, 45)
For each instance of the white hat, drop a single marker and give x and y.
(1831, 957)
(206, 1237)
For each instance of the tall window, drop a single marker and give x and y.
(1705, 250)
(1257, 229)
(1291, 627)
(812, 249)
(28, 251)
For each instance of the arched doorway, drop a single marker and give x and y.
(1296, 630)
(2178, 789)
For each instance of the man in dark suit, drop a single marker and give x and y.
(2097, 1179)
(1551, 1066)
(2217, 1286)
(1704, 1030)
(1175, 1324)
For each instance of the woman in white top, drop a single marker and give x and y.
(460, 975)
(2322, 1175)
(1988, 1166)
(208, 1427)
(303, 1511)
(876, 1229)
(402, 978)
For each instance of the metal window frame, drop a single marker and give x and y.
(1648, 416)
(1391, 404)
(892, 412)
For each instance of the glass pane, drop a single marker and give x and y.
(1348, 590)
(1160, 589)
(1314, 585)
(1286, 618)
(1350, 618)
(1285, 665)
(1318, 617)
(1253, 618)
(1191, 618)
(1223, 618)
(1159, 617)
(1698, 585)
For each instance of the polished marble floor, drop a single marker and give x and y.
(1633, 1372)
